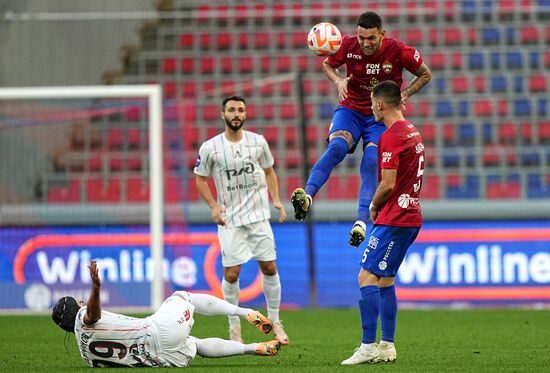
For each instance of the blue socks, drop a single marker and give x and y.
(369, 182)
(333, 155)
(388, 312)
(369, 307)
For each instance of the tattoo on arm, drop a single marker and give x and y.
(423, 76)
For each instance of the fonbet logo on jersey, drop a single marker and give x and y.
(386, 157)
(405, 200)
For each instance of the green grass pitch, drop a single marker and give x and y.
(496, 340)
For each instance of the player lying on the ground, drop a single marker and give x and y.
(107, 339)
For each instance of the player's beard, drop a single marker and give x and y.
(233, 127)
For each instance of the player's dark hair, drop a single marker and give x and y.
(369, 20)
(233, 98)
(64, 313)
(389, 92)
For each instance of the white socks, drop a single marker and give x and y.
(217, 347)
(272, 293)
(231, 295)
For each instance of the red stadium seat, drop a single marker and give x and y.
(189, 89)
(291, 136)
(210, 112)
(492, 155)
(547, 34)
(503, 190)
(261, 40)
(479, 83)
(267, 89)
(271, 134)
(414, 36)
(452, 36)
(226, 63)
(187, 65)
(224, 40)
(68, 194)
(292, 182)
(137, 189)
(241, 14)
(502, 107)
(430, 10)
(335, 187)
(204, 39)
(286, 88)
(168, 66)
(207, 65)
(529, 34)
(283, 64)
(433, 36)
(437, 61)
(506, 9)
(307, 87)
(449, 136)
(483, 107)
(172, 189)
(428, 132)
(547, 59)
(170, 90)
(507, 133)
(187, 40)
(527, 133)
(103, 191)
(114, 138)
(544, 132)
(265, 64)
(457, 60)
(243, 40)
(268, 111)
(538, 83)
(289, 111)
(324, 87)
(460, 84)
(430, 189)
(302, 62)
(279, 13)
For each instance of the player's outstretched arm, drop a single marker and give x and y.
(93, 308)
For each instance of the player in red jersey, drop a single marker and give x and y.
(369, 58)
(395, 211)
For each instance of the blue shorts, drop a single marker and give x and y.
(359, 125)
(386, 249)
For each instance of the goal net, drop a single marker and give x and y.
(82, 179)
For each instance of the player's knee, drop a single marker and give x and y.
(231, 277)
(338, 147)
(370, 159)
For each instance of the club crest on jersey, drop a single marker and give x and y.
(238, 154)
(373, 82)
(387, 67)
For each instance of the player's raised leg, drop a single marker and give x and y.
(217, 347)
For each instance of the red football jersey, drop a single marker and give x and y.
(386, 64)
(401, 148)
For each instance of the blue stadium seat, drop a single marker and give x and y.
(522, 107)
(495, 60)
(536, 188)
(440, 84)
(476, 61)
(514, 60)
(464, 108)
(542, 107)
(468, 190)
(534, 60)
(451, 157)
(487, 133)
(466, 133)
(518, 83)
(511, 35)
(529, 157)
(499, 84)
(490, 35)
(487, 8)
(444, 109)
(468, 9)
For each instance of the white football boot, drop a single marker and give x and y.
(364, 354)
(387, 351)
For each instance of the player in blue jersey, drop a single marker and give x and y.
(395, 211)
(369, 58)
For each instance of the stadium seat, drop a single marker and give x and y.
(506, 9)
(444, 108)
(468, 10)
(499, 84)
(68, 194)
(114, 138)
(476, 61)
(226, 64)
(246, 64)
(268, 111)
(547, 59)
(518, 84)
(514, 60)
(223, 40)
(289, 111)
(495, 60)
(437, 61)
(530, 157)
(429, 132)
(172, 188)
(187, 41)
(466, 133)
(459, 187)
(529, 34)
(544, 132)
(492, 156)
(509, 188)
(168, 65)
(479, 83)
(502, 107)
(490, 36)
(207, 65)
(483, 107)
(430, 10)
(507, 133)
(487, 136)
(103, 191)
(283, 64)
(414, 36)
(211, 112)
(265, 64)
(452, 36)
(449, 133)
(459, 84)
(137, 189)
(431, 187)
(440, 84)
(522, 107)
(261, 40)
(463, 108)
(187, 65)
(189, 89)
(538, 83)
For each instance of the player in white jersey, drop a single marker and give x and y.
(242, 167)
(107, 339)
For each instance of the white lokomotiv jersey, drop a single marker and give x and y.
(238, 172)
(116, 340)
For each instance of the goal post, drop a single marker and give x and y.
(153, 94)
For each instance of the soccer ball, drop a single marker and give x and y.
(324, 39)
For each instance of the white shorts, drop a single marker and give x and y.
(240, 244)
(172, 324)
